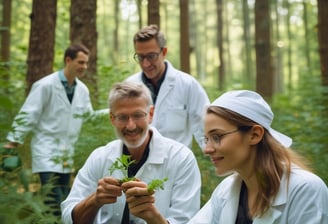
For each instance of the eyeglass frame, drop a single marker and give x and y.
(140, 58)
(219, 136)
(126, 117)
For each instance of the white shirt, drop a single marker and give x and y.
(178, 202)
(305, 200)
(54, 122)
(180, 106)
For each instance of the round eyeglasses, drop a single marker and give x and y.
(124, 118)
(215, 138)
(151, 57)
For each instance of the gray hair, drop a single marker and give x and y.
(128, 90)
(150, 32)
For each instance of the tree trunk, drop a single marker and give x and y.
(5, 42)
(289, 46)
(249, 76)
(307, 37)
(116, 31)
(139, 2)
(221, 77)
(323, 39)
(153, 12)
(227, 49)
(42, 40)
(278, 55)
(184, 36)
(264, 74)
(83, 30)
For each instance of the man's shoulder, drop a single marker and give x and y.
(45, 82)
(112, 149)
(136, 77)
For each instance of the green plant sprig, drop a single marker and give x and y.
(156, 184)
(122, 163)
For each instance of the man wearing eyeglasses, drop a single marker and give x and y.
(178, 98)
(97, 195)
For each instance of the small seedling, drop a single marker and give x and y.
(122, 163)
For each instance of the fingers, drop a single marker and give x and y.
(10, 145)
(132, 184)
(107, 191)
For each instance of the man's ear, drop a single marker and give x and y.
(151, 113)
(256, 134)
(111, 117)
(164, 51)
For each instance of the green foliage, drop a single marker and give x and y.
(21, 206)
(302, 115)
(156, 184)
(122, 164)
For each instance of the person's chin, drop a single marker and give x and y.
(223, 173)
(132, 144)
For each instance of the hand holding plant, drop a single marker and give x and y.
(122, 163)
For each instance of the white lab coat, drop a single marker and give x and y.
(178, 202)
(54, 122)
(180, 106)
(304, 201)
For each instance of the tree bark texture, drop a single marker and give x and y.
(264, 73)
(83, 29)
(221, 71)
(5, 40)
(153, 12)
(323, 39)
(184, 36)
(42, 40)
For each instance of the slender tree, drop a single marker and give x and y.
(323, 39)
(184, 36)
(83, 29)
(307, 36)
(42, 40)
(248, 45)
(264, 74)
(153, 12)
(116, 31)
(5, 40)
(220, 24)
(139, 2)
(289, 44)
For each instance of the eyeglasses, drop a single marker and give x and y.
(124, 118)
(150, 57)
(215, 138)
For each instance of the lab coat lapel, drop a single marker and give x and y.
(60, 91)
(229, 210)
(167, 85)
(269, 217)
(280, 200)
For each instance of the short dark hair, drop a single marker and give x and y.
(72, 51)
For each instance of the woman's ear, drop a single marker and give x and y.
(256, 134)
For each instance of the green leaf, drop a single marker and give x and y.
(156, 184)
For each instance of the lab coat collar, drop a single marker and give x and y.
(168, 83)
(231, 198)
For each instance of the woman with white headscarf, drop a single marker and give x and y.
(267, 182)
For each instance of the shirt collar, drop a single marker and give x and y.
(63, 78)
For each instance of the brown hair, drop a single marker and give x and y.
(72, 51)
(272, 160)
(150, 32)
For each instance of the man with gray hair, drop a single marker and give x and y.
(97, 194)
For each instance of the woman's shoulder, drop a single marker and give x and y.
(304, 180)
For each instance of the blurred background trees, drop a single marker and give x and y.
(276, 47)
